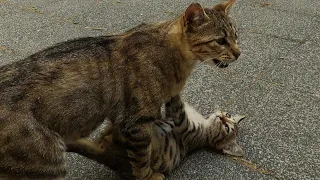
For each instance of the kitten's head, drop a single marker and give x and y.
(225, 139)
(210, 34)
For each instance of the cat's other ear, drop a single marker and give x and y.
(195, 15)
(233, 149)
(225, 6)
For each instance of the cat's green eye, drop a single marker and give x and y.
(228, 115)
(221, 41)
(227, 128)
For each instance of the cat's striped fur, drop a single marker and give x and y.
(180, 132)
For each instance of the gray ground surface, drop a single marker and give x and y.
(276, 82)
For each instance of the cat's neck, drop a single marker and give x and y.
(174, 32)
(176, 35)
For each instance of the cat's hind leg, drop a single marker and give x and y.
(28, 150)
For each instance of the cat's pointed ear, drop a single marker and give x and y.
(194, 14)
(225, 6)
(237, 118)
(233, 149)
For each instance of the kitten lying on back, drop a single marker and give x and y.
(61, 94)
(182, 131)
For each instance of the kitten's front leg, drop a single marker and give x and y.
(174, 110)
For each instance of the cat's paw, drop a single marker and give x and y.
(157, 176)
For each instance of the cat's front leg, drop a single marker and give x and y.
(135, 137)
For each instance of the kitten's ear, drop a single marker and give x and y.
(237, 118)
(225, 6)
(233, 149)
(195, 15)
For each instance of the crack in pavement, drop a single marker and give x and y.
(35, 10)
(276, 8)
(250, 165)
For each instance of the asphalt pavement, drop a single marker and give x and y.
(275, 82)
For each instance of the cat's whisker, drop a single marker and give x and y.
(215, 66)
(218, 64)
(205, 61)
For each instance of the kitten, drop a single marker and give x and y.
(61, 94)
(180, 132)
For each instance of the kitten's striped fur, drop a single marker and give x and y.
(180, 132)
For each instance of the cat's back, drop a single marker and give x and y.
(91, 65)
(45, 65)
(62, 53)
(86, 47)
(68, 61)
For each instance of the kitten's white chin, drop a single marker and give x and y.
(210, 63)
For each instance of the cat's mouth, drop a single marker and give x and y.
(220, 64)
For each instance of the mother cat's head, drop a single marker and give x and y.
(210, 35)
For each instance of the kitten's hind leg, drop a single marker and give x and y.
(86, 147)
(95, 145)
(29, 150)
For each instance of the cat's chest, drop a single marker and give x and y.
(181, 77)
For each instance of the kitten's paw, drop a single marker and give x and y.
(218, 113)
(214, 115)
(174, 105)
(157, 176)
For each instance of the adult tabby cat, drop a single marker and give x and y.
(59, 95)
(181, 131)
